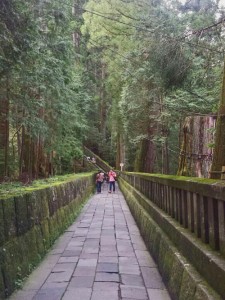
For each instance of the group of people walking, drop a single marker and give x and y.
(109, 177)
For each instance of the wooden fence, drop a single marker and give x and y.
(197, 204)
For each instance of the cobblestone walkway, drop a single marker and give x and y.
(100, 257)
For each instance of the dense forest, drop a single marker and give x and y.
(125, 78)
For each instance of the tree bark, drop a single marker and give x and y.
(165, 157)
(145, 159)
(219, 150)
(103, 102)
(196, 153)
(4, 135)
(120, 151)
(26, 158)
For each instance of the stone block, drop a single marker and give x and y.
(107, 267)
(108, 259)
(144, 259)
(84, 271)
(49, 294)
(44, 227)
(72, 253)
(102, 295)
(107, 253)
(204, 292)
(89, 262)
(167, 264)
(9, 216)
(68, 259)
(174, 284)
(155, 294)
(189, 283)
(81, 282)
(12, 272)
(63, 267)
(164, 248)
(108, 277)
(53, 228)
(133, 280)
(60, 276)
(129, 269)
(137, 293)
(22, 224)
(90, 250)
(106, 286)
(2, 286)
(88, 255)
(2, 231)
(77, 294)
(152, 278)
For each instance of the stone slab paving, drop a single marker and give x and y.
(101, 256)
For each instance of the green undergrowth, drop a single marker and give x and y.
(10, 189)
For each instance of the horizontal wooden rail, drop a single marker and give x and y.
(197, 204)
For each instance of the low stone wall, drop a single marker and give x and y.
(176, 252)
(30, 223)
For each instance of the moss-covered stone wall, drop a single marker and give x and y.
(30, 223)
(190, 269)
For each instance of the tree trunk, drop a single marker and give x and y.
(145, 160)
(103, 103)
(26, 174)
(165, 157)
(219, 150)
(164, 133)
(120, 151)
(196, 153)
(4, 136)
(35, 160)
(149, 162)
(146, 156)
(77, 13)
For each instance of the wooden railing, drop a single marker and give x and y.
(197, 204)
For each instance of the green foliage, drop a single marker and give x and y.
(46, 84)
(161, 67)
(137, 70)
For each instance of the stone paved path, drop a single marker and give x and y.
(100, 257)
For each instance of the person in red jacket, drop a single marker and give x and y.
(112, 176)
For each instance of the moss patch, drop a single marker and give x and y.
(32, 223)
(204, 292)
(8, 190)
(174, 283)
(177, 178)
(190, 281)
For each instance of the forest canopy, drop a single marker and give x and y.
(117, 76)
(164, 63)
